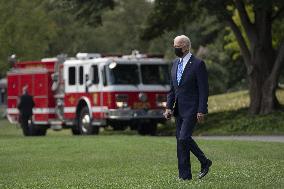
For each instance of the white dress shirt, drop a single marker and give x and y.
(185, 59)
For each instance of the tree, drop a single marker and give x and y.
(25, 31)
(121, 26)
(44, 28)
(262, 58)
(88, 11)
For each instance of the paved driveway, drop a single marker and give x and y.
(244, 138)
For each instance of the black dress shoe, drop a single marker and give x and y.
(205, 169)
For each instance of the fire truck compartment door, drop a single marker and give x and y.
(40, 86)
(27, 79)
(13, 85)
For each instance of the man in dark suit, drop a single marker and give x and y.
(187, 101)
(25, 107)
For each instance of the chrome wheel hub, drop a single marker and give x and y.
(86, 120)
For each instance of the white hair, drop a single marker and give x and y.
(25, 89)
(184, 39)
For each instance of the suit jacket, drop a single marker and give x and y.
(191, 95)
(26, 105)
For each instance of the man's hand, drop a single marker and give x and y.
(200, 117)
(168, 114)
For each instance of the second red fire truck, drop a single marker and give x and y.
(91, 91)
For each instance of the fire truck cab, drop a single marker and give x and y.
(92, 91)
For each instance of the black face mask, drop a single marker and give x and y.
(178, 52)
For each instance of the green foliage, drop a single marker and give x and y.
(71, 36)
(167, 16)
(228, 115)
(36, 29)
(121, 28)
(225, 74)
(219, 8)
(60, 160)
(219, 13)
(277, 32)
(239, 122)
(217, 77)
(206, 32)
(25, 31)
(88, 11)
(231, 41)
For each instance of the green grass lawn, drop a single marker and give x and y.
(60, 160)
(234, 101)
(117, 160)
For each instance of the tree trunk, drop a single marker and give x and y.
(269, 101)
(262, 95)
(259, 56)
(261, 85)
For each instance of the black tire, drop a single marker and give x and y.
(33, 130)
(147, 128)
(119, 127)
(25, 130)
(75, 130)
(142, 129)
(85, 126)
(40, 131)
(133, 126)
(153, 129)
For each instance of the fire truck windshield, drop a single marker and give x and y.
(121, 74)
(155, 74)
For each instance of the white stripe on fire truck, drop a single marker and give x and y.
(35, 110)
(99, 109)
(17, 97)
(70, 109)
(12, 111)
(43, 110)
(94, 109)
(52, 110)
(129, 88)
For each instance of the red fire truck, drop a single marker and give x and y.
(91, 91)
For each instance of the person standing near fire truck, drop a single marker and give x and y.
(25, 107)
(187, 101)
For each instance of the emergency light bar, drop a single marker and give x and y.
(84, 56)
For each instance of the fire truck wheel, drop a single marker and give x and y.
(153, 129)
(147, 128)
(85, 123)
(119, 127)
(40, 131)
(75, 130)
(34, 130)
(133, 127)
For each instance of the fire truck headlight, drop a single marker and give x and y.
(161, 100)
(121, 100)
(121, 104)
(162, 104)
